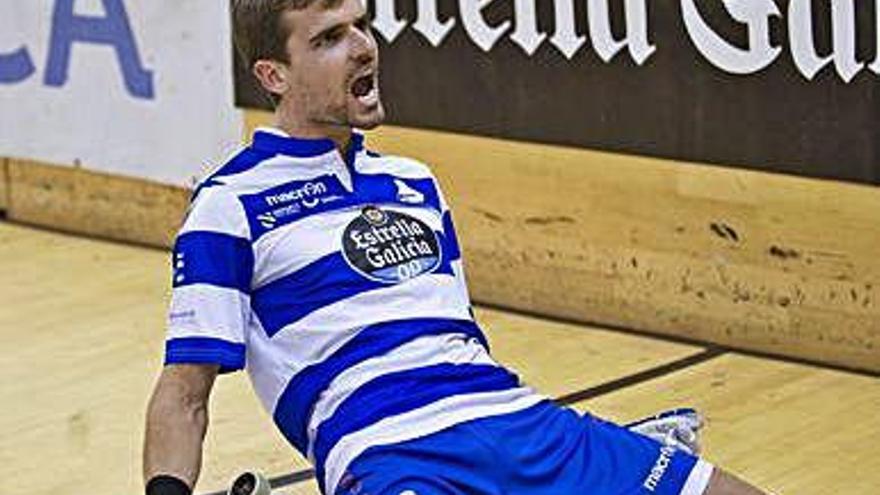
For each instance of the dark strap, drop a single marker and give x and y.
(167, 485)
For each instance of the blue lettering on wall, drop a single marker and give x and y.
(16, 66)
(112, 29)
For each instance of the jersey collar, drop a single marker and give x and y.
(277, 141)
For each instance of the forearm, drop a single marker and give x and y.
(175, 430)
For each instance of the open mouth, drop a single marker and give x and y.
(364, 89)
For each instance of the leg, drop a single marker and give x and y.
(723, 483)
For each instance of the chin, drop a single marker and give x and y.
(369, 120)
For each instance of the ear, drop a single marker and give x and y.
(272, 76)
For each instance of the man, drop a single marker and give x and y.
(335, 276)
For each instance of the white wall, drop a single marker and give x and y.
(169, 119)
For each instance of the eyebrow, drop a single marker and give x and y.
(326, 30)
(365, 18)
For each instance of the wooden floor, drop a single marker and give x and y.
(82, 325)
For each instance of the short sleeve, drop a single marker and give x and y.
(451, 240)
(448, 226)
(212, 266)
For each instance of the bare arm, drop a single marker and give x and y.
(177, 419)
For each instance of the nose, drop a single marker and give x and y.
(364, 47)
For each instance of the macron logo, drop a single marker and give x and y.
(659, 468)
(267, 220)
(307, 194)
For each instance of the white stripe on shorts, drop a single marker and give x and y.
(698, 480)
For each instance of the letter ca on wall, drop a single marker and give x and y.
(113, 29)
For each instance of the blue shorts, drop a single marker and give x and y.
(542, 450)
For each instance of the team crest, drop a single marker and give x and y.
(374, 216)
(389, 246)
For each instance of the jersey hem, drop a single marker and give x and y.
(202, 350)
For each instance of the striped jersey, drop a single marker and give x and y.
(337, 282)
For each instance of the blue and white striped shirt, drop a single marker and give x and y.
(337, 282)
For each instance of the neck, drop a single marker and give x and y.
(339, 134)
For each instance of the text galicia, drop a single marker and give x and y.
(390, 246)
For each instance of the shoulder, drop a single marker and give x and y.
(398, 166)
(216, 208)
(225, 175)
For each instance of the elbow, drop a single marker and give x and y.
(171, 402)
(180, 399)
(194, 412)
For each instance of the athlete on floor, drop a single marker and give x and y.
(333, 274)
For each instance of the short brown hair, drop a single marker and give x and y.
(258, 33)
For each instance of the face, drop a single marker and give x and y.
(332, 81)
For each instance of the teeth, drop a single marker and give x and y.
(370, 98)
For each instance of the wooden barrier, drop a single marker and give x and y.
(754, 261)
(101, 205)
(4, 185)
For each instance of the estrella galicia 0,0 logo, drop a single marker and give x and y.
(388, 246)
